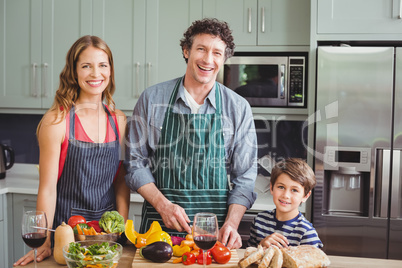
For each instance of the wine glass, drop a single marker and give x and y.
(34, 229)
(205, 232)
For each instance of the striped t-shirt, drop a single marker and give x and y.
(298, 231)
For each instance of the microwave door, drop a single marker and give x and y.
(261, 81)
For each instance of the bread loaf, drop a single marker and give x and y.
(304, 256)
(266, 259)
(277, 259)
(252, 258)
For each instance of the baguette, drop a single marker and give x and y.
(277, 259)
(304, 256)
(252, 258)
(266, 259)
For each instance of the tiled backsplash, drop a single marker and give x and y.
(19, 132)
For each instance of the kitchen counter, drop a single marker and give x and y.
(336, 261)
(24, 179)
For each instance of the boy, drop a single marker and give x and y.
(291, 183)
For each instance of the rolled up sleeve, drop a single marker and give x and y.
(137, 161)
(243, 159)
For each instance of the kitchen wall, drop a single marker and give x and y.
(19, 132)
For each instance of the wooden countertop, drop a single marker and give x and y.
(336, 261)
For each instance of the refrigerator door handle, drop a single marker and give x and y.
(385, 160)
(396, 177)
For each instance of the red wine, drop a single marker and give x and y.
(34, 240)
(205, 242)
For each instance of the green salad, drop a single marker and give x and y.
(89, 256)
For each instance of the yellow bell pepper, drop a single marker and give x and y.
(159, 236)
(178, 251)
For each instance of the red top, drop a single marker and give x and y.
(81, 135)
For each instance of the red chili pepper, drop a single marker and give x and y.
(200, 257)
(188, 258)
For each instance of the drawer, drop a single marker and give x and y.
(2, 208)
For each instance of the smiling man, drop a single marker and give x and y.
(191, 142)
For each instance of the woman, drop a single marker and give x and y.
(79, 141)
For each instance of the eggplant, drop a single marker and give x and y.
(157, 252)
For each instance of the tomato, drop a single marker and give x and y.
(221, 254)
(74, 220)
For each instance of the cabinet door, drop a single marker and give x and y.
(63, 23)
(121, 24)
(135, 213)
(38, 34)
(241, 15)
(166, 23)
(144, 37)
(284, 22)
(20, 204)
(20, 53)
(3, 233)
(358, 16)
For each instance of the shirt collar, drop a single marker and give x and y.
(211, 97)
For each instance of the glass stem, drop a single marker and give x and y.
(35, 256)
(204, 258)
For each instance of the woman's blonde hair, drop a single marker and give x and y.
(69, 90)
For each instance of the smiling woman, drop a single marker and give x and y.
(78, 175)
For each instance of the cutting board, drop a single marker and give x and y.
(141, 262)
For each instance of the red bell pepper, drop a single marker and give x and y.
(96, 226)
(188, 258)
(200, 258)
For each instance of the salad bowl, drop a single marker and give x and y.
(92, 253)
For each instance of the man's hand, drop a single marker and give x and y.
(175, 217)
(275, 239)
(229, 236)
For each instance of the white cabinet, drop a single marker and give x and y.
(3, 232)
(144, 36)
(135, 213)
(17, 205)
(359, 16)
(33, 46)
(263, 22)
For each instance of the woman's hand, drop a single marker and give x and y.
(275, 239)
(42, 253)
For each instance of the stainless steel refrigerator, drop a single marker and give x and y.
(357, 202)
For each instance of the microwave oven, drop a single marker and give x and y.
(267, 81)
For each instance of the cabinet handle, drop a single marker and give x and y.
(44, 79)
(263, 19)
(395, 194)
(149, 65)
(400, 9)
(137, 80)
(249, 19)
(382, 181)
(34, 91)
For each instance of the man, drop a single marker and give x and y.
(186, 135)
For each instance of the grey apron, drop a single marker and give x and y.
(85, 186)
(189, 164)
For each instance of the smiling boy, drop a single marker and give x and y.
(291, 183)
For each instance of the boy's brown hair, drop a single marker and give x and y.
(298, 170)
